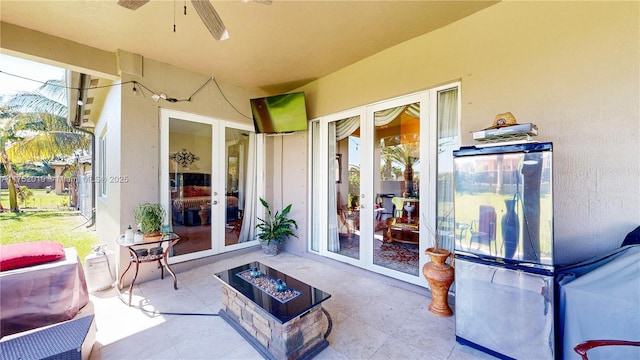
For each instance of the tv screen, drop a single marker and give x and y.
(280, 113)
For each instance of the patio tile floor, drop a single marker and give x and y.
(372, 318)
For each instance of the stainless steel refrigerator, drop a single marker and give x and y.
(504, 263)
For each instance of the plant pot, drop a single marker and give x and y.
(440, 276)
(271, 249)
(154, 236)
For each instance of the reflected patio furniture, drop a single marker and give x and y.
(399, 230)
(346, 219)
(582, 348)
(483, 231)
(462, 231)
(385, 201)
(385, 209)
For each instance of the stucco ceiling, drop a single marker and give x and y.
(275, 47)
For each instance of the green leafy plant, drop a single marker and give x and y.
(149, 217)
(25, 194)
(276, 227)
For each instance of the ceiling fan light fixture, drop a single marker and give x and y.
(132, 4)
(211, 19)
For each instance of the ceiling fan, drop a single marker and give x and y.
(205, 10)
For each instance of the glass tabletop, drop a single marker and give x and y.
(307, 298)
(157, 240)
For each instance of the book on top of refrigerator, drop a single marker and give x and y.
(512, 130)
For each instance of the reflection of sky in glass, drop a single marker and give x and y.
(354, 151)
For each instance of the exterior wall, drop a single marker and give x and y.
(290, 186)
(140, 136)
(572, 68)
(108, 208)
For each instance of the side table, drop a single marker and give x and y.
(170, 238)
(402, 232)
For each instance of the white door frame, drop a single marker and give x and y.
(427, 185)
(218, 178)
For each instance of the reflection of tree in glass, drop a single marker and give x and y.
(397, 158)
(354, 185)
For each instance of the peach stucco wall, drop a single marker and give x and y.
(572, 68)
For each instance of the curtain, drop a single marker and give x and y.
(447, 129)
(249, 220)
(383, 117)
(315, 186)
(414, 110)
(346, 127)
(334, 239)
(448, 113)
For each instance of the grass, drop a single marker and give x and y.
(40, 200)
(467, 210)
(51, 221)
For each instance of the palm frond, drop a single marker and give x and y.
(50, 97)
(31, 102)
(47, 145)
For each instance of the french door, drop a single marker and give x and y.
(373, 199)
(207, 182)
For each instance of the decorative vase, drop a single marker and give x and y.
(270, 249)
(440, 276)
(280, 285)
(408, 177)
(255, 273)
(510, 229)
(409, 207)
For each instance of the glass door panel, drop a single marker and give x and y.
(190, 169)
(236, 155)
(396, 188)
(448, 141)
(344, 187)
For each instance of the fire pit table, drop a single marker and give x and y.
(285, 324)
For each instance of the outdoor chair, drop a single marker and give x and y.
(483, 231)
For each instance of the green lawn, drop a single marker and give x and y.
(63, 226)
(40, 200)
(467, 211)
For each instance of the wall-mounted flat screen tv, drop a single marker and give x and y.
(279, 113)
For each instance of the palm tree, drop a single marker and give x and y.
(38, 131)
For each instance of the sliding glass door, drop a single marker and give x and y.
(378, 169)
(397, 175)
(344, 189)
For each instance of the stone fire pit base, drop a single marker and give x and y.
(299, 338)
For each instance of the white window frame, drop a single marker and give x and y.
(102, 183)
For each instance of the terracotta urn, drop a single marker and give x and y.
(440, 275)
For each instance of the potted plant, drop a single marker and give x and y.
(438, 273)
(149, 218)
(275, 229)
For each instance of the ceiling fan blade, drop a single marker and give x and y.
(210, 19)
(132, 4)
